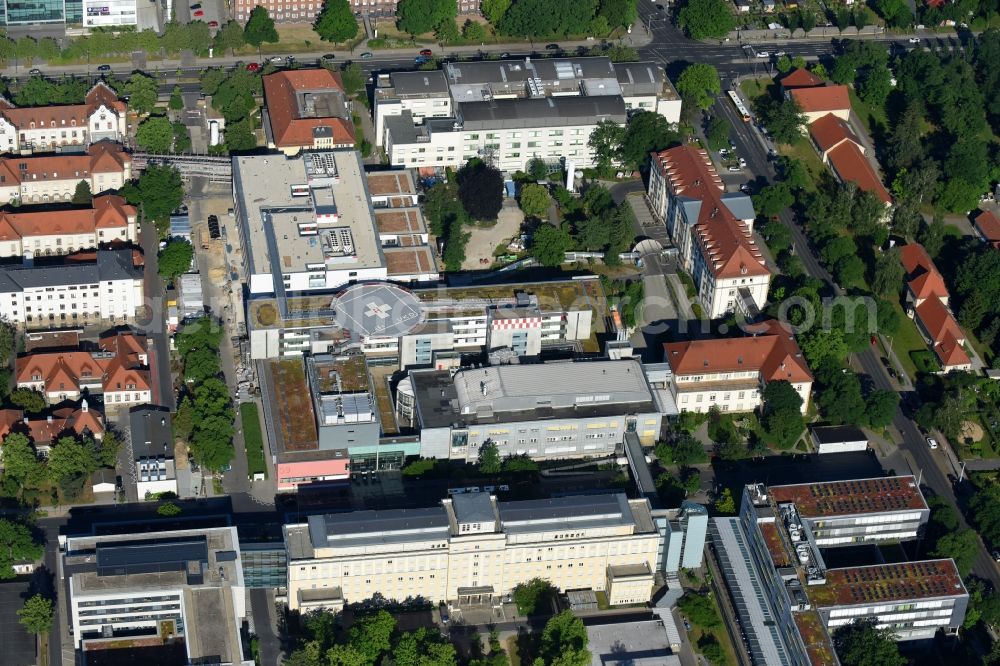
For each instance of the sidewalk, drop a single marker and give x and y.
(637, 39)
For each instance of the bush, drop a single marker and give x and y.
(419, 467)
(530, 597)
(700, 610)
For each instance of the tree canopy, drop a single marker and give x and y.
(419, 16)
(82, 195)
(699, 84)
(861, 643)
(646, 132)
(155, 135)
(782, 416)
(534, 200)
(159, 191)
(706, 19)
(530, 596)
(175, 258)
(37, 614)
(549, 244)
(564, 642)
(259, 28)
(142, 91)
(480, 189)
(16, 544)
(336, 22)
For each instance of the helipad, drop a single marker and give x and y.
(377, 309)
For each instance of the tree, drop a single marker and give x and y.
(782, 415)
(175, 258)
(211, 398)
(212, 443)
(336, 23)
(182, 140)
(155, 134)
(107, 450)
(564, 642)
(142, 92)
(474, 31)
(683, 449)
(20, 460)
(535, 201)
(82, 195)
(618, 13)
(706, 19)
(36, 615)
(550, 244)
(494, 10)
(932, 235)
(699, 84)
(548, 18)
(201, 364)
(259, 28)
(717, 133)
(538, 169)
(875, 86)
(446, 32)
(606, 142)
(861, 643)
(783, 118)
(880, 407)
(480, 189)
(8, 338)
(16, 545)
(725, 504)
(528, 596)
(27, 399)
(699, 610)
(168, 510)
(70, 459)
(646, 132)
(489, 458)
(184, 419)
(840, 400)
(176, 102)
(888, 277)
(229, 37)
(962, 546)
(419, 16)
(159, 191)
(773, 199)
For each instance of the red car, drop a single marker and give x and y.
(426, 52)
(253, 67)
(213, 24)
(198, 13)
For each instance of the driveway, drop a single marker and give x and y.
(484, 240)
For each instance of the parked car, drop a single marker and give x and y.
(420, 60)
(195, 6)
(274, 60)
(213, 24)
(734, 169)
(742, 162)
(197, 13)
(367, 55)
(553, 47)
(932, 443)
(329, 57)
(779, 54)
(505, 55)
(996, 555)
(35, 72)
(426, 52)
(253, 67)
(763, 54)
(104, 68)
(914, 40)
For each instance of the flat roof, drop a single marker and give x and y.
(814, 637)
(406, 261)
(479, 80)
(280, 199)
(541, 112)
(378, 309)
(838, 434)
(473, 508)
(640, 643)
(401, 221)
(882, 583)
(861, 496)
(416, 84)
(576, 511)
(375, 527)
(387, 183)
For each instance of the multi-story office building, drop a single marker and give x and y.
(712, 229)
(684, 531)
(105, 286)
(453, 321)
(307, 109)
(152, 445)
(40, 128)
(731, 373)
(473, 548)
(506, 133)
(552, 410)
(118, 369)
(639, 86)
(789, 601)
(185, 585)
(109, 13)
(44, 178)
(30, 232)
(15, 13)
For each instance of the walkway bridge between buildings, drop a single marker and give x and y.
(216, 168)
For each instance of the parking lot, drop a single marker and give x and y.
(18, 644)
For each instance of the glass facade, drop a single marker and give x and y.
(27, 12)
(264, 564)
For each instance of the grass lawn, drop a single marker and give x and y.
(984, 448)
(925, 361)
(803, 151)
(754, 88)
(254, 439)
(720, 635)
(872, 117)
(906, 340)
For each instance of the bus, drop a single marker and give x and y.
(738, 103)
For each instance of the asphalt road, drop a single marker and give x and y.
(930, 465)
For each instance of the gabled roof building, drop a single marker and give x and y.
(307, 109)
(50, 177)
(712, 228)
(29, 129)
(31, 232)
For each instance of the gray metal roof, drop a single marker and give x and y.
(150, 432)
(117, 559)
(565, 513)
(545, 69)
(640, 78)
(838, 434)
(473, 508)
(540, 112)
(418, 84)
(359, 527)
(109, 265)
(739, 204)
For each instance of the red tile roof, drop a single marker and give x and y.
(101, 157)
(67, 115)
(988, 225)
(851, 165)
(109, 212)
(922, 276)
(288, 127)
(725, 241)
(822, 98)
(78, 420)
(800, 77)
(775, 355)
(63, 371)
(830, 131)
(946, 335)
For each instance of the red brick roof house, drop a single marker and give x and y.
(307, 108)
(821, 100)
(988, 225)
(800, 77)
